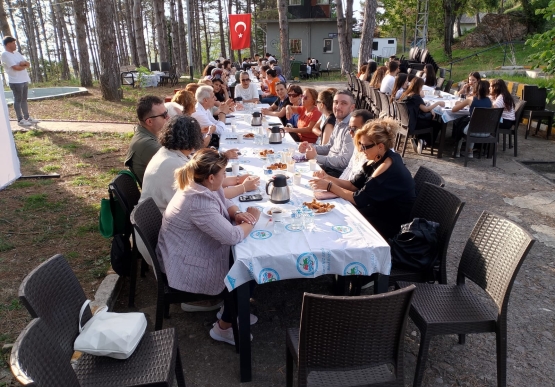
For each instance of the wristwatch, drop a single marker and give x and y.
(237, 212)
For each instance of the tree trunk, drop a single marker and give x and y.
(92, 44)
(14, 29)
(131, 32)
(62, 23)
(447, 27)
(4, 25)
(222, 34)
(45, 38)
(199, 64)
(160, 27)
(458, 25)
(109, 77)
(80, 15)
(251, 48)
(176, 48)
(183, 60)
(477, 18)
(368, 27)
(139, 34)
(284, 38)
(123, 57)
(40, 57)
(349, 27)
(230, 12)
(344, 49)
(207, 38)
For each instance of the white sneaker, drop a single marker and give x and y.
(25, 123)
(414, 146)
(33, 120)
(225, 335)
(421, 145)
(253, 318)
(470, 154)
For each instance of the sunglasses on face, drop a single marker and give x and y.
(352, 129)
(163, 115)
(364, 147)
(245, 80)
(293, 95)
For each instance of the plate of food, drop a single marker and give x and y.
(319, 208)
(276, 166)
(285, 209)
(248, 136)
(264, 153)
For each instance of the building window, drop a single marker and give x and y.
(295, 2)
(328, 46)
(295, 46)
(322, 2)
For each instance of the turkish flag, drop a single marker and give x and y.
(240, 31)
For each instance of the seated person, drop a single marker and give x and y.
(324, 126)
(334, 156)
(279, 71)
(421, 115)
(358, 119)
(220, 91)
(203, 110)
(401, 84)
(192, 87)
(182, 103)
(277, 109)
(308, 116)
(295, 95)
(272, 80)
(370, 70)
(429, 76)
(388, 81)
(384, 191)
(379, 74)
(200, 214)
(470, 87)
(152, 116)
(246, 90)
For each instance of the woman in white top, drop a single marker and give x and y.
(501, 97)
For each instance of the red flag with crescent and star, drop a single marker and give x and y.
(240, 31)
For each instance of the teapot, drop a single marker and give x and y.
(277, 135)
(279, 194)
(256, 119)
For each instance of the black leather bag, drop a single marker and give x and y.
(415, 247)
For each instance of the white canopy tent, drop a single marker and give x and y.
(9, 162)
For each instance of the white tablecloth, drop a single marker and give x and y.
(445, 112)
(342, 241)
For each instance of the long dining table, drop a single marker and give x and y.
(445, 114)
(340, 242)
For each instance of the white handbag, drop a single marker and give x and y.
(110, 334)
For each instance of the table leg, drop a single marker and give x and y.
(441, 139)
(243, 306)
(381, 283)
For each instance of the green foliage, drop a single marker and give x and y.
(544, 43)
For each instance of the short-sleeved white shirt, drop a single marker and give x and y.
(387, 84)
(10, 59)
(247, 94)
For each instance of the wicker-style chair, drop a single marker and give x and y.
(491, 259)
(435, 204)
(37, 360)
(349, 340)
(41, 355)
(405, 118)
(147, 220)
(127, 194)
(426, 175)
(483, 122)
(385, 105)
(512, 132)
(536, 110)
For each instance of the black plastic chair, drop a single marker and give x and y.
(484, 121)
(435, 204)
(512, 132)
(405, 118)
(127, 193)
(147, 220)
(154, 66)
(349, 340)
(165, 67)
(535, 110)
(447, 87)
(41, 355)
(426, 175)
(491, 259)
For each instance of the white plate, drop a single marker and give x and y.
(285, 208)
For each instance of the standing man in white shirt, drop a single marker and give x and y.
(389, 80)
(16, 67)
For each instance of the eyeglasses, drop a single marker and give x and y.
(293, 95)
(364, 148)
(163, 115)
(353, 129)
(245, 80)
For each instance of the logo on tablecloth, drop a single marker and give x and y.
(355, 268)
(307, 263)
(342, 229)
(231, 281)
(260, 234)
(259, 208)
(290, 228)
(267, 275)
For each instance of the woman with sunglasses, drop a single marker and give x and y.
(210, 224)
(308, 116)
(384, 191)
(294, 93)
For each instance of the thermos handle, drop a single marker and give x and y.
(267, 185)
(282, 132)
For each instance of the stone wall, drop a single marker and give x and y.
(495, 29)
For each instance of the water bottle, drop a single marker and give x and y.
(279, 226)
(297, 220)
(308, 218)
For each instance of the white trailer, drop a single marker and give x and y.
(384, 47)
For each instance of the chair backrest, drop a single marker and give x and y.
(165, 66)
(485, 120)
(154, 66)
(350, 334)
(403, 112)
(440, 83)
(448, 85)
(384, 103)
(147, 220)
(535, 97)
(493, 255)
(436, 204)
(519, 109)
(378, 100)
(52, 292)
(38, 360)
(126, 192)
(426, 175)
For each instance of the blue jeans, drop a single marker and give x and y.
(20, 100)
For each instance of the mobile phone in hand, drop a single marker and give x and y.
(250, 198)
